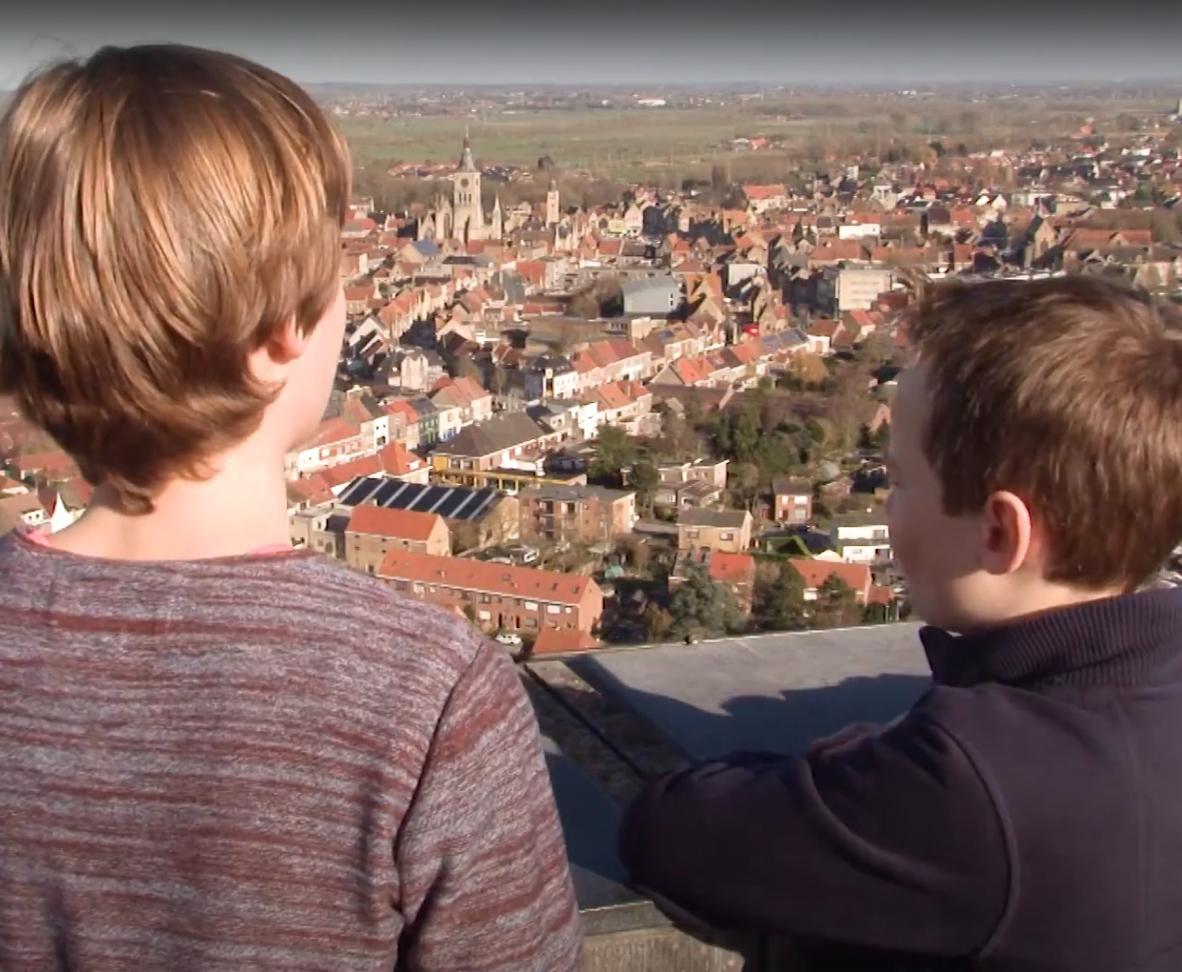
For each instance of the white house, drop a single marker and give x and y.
(862, 540)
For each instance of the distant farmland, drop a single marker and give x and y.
(665, 145)
(622, 144)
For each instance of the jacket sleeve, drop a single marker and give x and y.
(884, 840)
(481, 861)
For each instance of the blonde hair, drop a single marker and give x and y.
(163, 209)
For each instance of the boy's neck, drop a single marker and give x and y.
(240, 509)
(1040, 599)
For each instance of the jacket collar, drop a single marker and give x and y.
(1115, 641)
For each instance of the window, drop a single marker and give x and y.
(728, 535)
(567, 610)
(553, 609)
(531, 605)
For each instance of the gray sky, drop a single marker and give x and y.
(504, 42)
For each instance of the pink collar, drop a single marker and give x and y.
(41, 538)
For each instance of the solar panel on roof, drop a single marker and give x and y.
(445, 495)
(455, 499)
(409, 495)
(487, 498)
(359, 490)
(397, 499)
(463, 501)
(426, 497)
(386, 490)
(349, 491)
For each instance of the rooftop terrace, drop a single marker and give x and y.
(614, 718)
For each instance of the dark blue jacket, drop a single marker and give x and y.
(1026, 813)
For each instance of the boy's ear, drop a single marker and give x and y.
(1009, 535)
(284, 344)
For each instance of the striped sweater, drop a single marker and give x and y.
(264, 763)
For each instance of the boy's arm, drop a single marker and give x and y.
(889, 841)
(482, 864)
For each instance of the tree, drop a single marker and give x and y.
(1166, 226)
(465, 536)
(809, 368)
(613, 451)
(743, 480)
(700, 606)
(679, 440)
(657, 622)
(836, 605)
(779, 597)
(583, 304)
(876, 614)
(638, 553)
(744, 434)
(645, 480)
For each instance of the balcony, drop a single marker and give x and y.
(614, 718)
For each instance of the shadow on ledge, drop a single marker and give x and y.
(783, 720)
(701, 718)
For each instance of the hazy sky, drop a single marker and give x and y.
(675, 41)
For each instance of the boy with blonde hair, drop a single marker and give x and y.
(1024, 814)
(216, 751)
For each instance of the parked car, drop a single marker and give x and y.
(509, 639)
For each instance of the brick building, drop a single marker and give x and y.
(498, 596)
(728, 531)
(576, 514)
(792, 500)
(374, 531)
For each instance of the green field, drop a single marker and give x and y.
(612, 143)
(664, 145)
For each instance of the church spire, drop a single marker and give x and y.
(467, 163)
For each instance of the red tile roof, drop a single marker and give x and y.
(331, 430)
(53, 463)
(693, 371)
(348, 471)
(838, 250)
(313, 490)
(825, 327)
(754, 192)
(732, 568)
(399, 524)
(1134, 237)
(476, 575)
(398, 460)
(814, 573)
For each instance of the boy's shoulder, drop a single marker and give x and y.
(366, 613)
(297, 612)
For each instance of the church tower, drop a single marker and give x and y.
(552, 204)
(467, 212)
